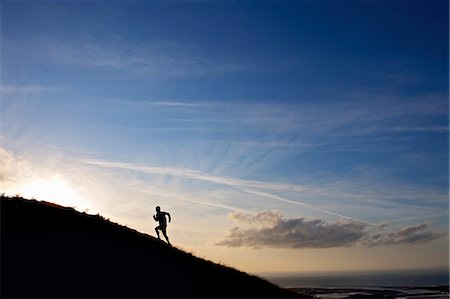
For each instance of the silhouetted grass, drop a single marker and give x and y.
(52, 251)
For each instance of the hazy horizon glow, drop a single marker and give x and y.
(293, 136)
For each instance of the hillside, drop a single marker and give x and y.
(53, 251)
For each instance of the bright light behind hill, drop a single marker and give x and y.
(53, 189)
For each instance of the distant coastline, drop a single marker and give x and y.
(435, 292)
(410, 283)
(355, 279)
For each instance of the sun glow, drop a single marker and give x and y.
(53, 189)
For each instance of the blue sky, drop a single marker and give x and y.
(253, 115)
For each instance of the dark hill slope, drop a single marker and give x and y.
(52, 251)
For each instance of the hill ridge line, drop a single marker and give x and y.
(88, 255)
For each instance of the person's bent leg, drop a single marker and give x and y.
(157, 232)
(165, 236)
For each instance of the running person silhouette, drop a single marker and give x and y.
(161, 217)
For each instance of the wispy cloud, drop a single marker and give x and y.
(12, 168)
(421, 129)
(168, 104)
(256, 187)
(182, 197)
(168, 129)
(197, 175)
(271, 229)
(309, 206)
(263, 144)
(24, 89)
(161, 57)
(369, 115)
(259, 188)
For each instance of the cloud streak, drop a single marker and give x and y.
(7, 90)
(197, 175)
(12, 168)
(280, 198)
(247, 186)
(182, 197)
(268, 190)
(161, 57)
(168, 104)
(363, 115)
(270, 229)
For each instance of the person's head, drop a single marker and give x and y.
(158, 209)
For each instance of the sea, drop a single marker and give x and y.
(355, 279)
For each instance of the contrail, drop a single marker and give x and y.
(183, 198)
(247, 186)
(279, 198)
(198, 175)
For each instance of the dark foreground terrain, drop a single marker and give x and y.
(52, 251)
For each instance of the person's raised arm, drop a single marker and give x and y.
(168, 214)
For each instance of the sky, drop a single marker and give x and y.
(281, 136)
